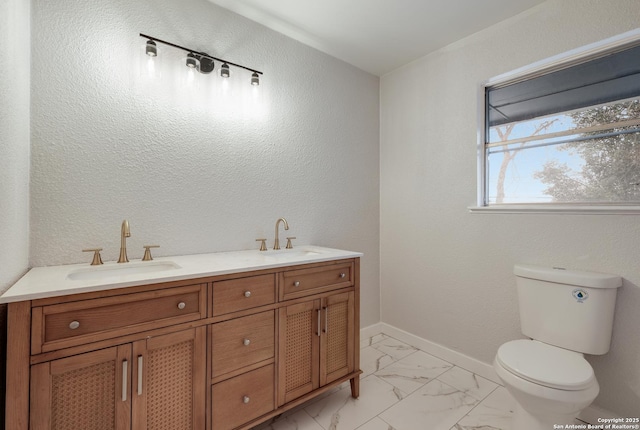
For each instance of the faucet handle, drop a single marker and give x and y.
(289, 245)
(263, 245)
(97, 259)
(147, 252)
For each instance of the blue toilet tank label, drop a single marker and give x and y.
(580, 295)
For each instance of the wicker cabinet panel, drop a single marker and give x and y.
(88, 391)
(298, 350)
(244, 293)
(169, 381)
(158, 383)
(242, 342)
(304, 282)
(317, 344)
(337, 340)
(244, 398)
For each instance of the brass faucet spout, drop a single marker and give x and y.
(124, 234)
(276, 243)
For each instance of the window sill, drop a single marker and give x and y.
(557, 209)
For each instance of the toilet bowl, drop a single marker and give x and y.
(565, 314)
(551, 385)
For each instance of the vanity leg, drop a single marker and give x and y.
(355, 387)
(18, 344)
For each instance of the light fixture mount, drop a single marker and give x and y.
(206, 64)
(206, 61)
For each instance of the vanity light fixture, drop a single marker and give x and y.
(152, 49)
(192, 63)
(206, 64)
(200, 61)
(224, 70)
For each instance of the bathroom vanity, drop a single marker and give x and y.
(212, 341)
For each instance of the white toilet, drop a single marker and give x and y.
(565, 313)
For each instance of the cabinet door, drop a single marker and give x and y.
(168, 378)
(89, 391)
(298, 350)
(337, 340)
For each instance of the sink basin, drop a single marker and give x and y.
(293, 252)
(123, 269)
(288, 254)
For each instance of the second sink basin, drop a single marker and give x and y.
(289, 254)
(123, 269)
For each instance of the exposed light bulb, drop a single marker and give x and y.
(191, 61)
(152, 49)
(255, 79)
(224, 70)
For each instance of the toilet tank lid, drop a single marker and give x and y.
(570, 277)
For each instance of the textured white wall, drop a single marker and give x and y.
(201, 170)
(14, 140)
(14, 157)
(446, 274)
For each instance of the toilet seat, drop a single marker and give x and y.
(546, 365)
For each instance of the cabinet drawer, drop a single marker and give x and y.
(242, 342)
(304, 282)
(85, 321)
(244, 293)
(244, 398)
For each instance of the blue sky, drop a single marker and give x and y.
(520, 184)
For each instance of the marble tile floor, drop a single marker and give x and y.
(403, 388)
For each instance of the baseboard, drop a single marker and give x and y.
(589, 415)
(457, 358)
(372, 330)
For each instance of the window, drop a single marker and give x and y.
(565, 134)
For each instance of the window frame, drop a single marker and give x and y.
(560, 61)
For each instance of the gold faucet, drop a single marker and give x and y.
(276, 243)
(124, 234)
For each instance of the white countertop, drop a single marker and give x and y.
(52, 281)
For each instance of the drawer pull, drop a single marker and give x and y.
(74, 325)
(140, 364)
(125, 374)
(182, 305)
(296, 284)
(326, 319)
(247, 294)
(342, 275)
(246, 399)
(246, 342)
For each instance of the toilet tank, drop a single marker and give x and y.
(567, 308)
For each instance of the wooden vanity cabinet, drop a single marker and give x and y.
(243, 346)
(242, 399)
(168, 381)
(78, 322)
(222, 353)
(337, 337)
(154, 383)
(317, 343)
(268, 361)
(83, 391)
(132, 358)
